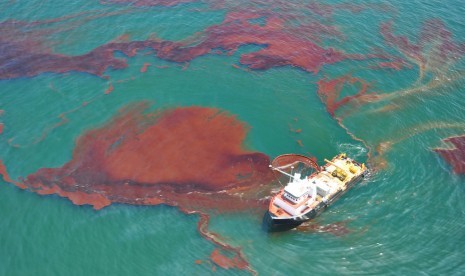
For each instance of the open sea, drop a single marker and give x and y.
(398, 75)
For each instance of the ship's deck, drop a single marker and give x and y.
(350, 169)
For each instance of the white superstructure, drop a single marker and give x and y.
(301, 195)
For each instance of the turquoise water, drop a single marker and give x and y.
(407, 217)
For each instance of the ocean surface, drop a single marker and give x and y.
(398, 65)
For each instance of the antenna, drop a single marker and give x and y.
(290, 177)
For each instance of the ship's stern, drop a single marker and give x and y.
(274, 224)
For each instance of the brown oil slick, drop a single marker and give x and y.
(171, 156)
(27, 47)
(7, 178)
(337, 229)
(237, 261)
(109, 89)
(4, 173)
(378, 160)
(435, 52)
(454, 156)
(191, 157)
(31, 55)
(293, 130)
(329, 91)
(395, 65)
(280, 48)
(227, 262)
(144, 67)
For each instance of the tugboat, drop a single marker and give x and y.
(304, 197)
